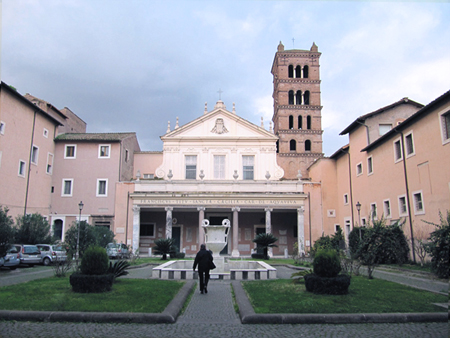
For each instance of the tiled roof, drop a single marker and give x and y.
(117, 137)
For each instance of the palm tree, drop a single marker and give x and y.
(163, 247)
(265, 241)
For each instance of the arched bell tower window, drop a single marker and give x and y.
(306, 97)
(298, 71)
(308, 122)
(278, 146)
(292, 145)
(291, 122)
(305, 72)
(298, 97)
(307, 145)
(300, 122)
(291, 97)
(291, 71)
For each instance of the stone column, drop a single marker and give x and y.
(169, 222)
(235, 252)
(136, 226)
(301, 230)
(201, 232)
(269, 226)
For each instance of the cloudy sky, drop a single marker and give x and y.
(134, 65)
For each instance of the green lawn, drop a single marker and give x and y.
(365, 296)
(55, 294)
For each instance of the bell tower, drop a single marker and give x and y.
(297, 114)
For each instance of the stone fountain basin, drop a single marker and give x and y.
(233, 270)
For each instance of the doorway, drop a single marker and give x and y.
(176, 237)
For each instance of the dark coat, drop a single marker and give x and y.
(203, 259)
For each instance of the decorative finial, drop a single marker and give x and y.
(262, 122)
(170, 175)
(202, 174)
(234, 108)
(220, 94)
(176, 125)
(206, 107)
(271, 127)
(235, 175)
(138, 175)
(168, 127)
(299, 175)
(267, 175)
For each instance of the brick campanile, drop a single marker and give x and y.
(297, 114)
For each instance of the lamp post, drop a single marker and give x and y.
(80, 206)
(358, 207)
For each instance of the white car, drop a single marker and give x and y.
(11, 260)
(51, 253)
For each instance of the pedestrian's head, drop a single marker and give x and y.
(202, 247)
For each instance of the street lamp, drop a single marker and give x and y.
(80, 206)
(358, 207)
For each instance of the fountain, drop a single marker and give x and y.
(216, 238)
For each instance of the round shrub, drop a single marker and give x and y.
(326, 263)
(94, 261)
(327, 285)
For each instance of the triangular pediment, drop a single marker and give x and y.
(219, 124)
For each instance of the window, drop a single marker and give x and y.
(398, 156)
(298, 97)
(248, 167)
(49, 169)
(104, 150)
(305, 72)
(445, 126)
(359, 169)
(402, 208)
(418, 203)
(67, 187)
(363, 222)
(102, 187)
(345, 199)
(291, 71)
(34, 154)
(2, 128)
(373, 210)
(300, 122)
(384, 128)
(22, 167)
(127, 155)
(370, 165)
(291, 97)
(306, 97)
(191, 167)
(45, 133)
(409, 143)
(387, 208)
(71, 151)
(298, 71)
(147, 229)
(307, 145)
(308, 122)
(292, 145)
(291, 122)
(149, 176)
(219, 166)
(337, 227)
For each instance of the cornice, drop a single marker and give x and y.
(299, 131)
(298, 107)
(309, 155)
(297, 80)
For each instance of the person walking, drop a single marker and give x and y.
(204, 260)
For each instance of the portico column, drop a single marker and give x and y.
(269, 226)
(169, 222)
(136, 226)
(201, 216)
(235, 252)
(301, 230)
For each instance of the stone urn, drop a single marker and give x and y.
(216, 236)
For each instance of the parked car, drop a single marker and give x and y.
(11, 260)
(51, 253)
(117, 250)
(29, 254)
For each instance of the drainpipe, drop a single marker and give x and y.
(351, 186)
(29, 165)
(126, 222)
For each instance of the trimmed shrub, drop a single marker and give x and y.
(327, 285)
(95, 261)
(439, 247)
(91, 283)
(326, 263)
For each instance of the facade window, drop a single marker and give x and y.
(373, 210)
(418, 203)
(291, 122)
(306, 98)
(102, 187)
(384, 128)
(104, 151)
(291, 97)
(70, 151)
(148, 176)
(147, 229)
(292, 145)
(298, 71)
(345, 199)
(409, 143)
(402, 207)
(305, 72)
(363, 222)
(248, 167)
(387, 208)
(219, 167)
(307, 145)
(398, 155)
(298, 97)
(308, 122)
(49, 169)
(22, 167)
(45, 133)
(291, 71)
(127, 155)
(359, 169)
(300, 122)
(191, 167)
(445, 127)
(67, 187)
(34, 155)
(2, 128)
(370, 165)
